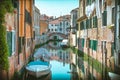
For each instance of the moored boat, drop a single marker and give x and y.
(38, 68)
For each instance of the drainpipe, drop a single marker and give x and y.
(115, 33)
(31, 47)
(25, 32)
(18, 30)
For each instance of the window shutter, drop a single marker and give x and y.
(13, 41)
(95, 22)
(104, 18)
(9, 41)
(89, 43)
(95, 42)
(87, 25)
(81, 26)
(19, 47)
(90, 23)
(76, 26)
(83, 42)
(84, 24)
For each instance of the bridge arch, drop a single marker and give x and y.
(56, 35)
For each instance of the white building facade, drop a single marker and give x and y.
(37, 25)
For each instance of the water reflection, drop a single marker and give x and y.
(62, 66)
(67, 65)
(60, 70)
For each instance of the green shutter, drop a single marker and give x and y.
(112, 49)
(77, 27)
(95, 22)
(19, 45)
(89, 43)
(95, 42)
(83, 42)
(104, 18)
(81, 25)
(87, 25)
(9, 41)
(90, 23)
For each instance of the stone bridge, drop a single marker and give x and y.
(56, 35)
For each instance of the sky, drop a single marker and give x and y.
(56, 7)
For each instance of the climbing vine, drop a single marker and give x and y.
(5, 6)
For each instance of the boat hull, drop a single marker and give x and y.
(39, 73)
(38, 68)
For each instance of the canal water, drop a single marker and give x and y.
(61, 66)
(67, 64)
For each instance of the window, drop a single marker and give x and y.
(90, 43)
(88, 2)
(60, 29)
(34, 35)
(77, 27)
(55, 29)
(67, 23)
(87, 24)
(43, 33)
(112, 49)
(95, 22)
(13, 42)
(9, 41)
(55, 37)
(20, 45)
(82, 25)
(104, 18)
(51, 24)
(48, 29)
(113, 15)
(90, 23)
(93, 44)
(82, 41)
(28, 18)
(15, 3)
(76, 39)
(51, 29)
(118, 2)
(60, 23)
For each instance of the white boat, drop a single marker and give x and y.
(38, 68)
(64, 43)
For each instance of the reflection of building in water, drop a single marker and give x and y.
(54, 45)
(60, 55)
